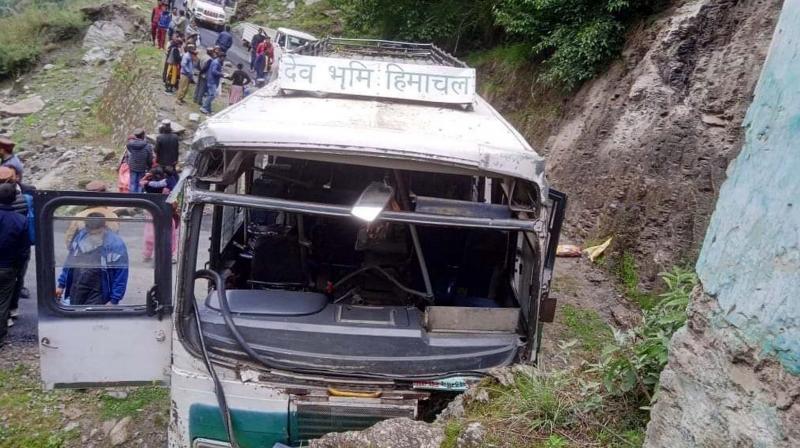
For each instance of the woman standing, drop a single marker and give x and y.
(172, 65)
(239, 79)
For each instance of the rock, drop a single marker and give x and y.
(94, 432)
(96, 56)
(119, 13)
(104, 34)
(117, 394)
(472, 436)
(61, 123)
(67, 156)
(713, 120)
(108, 425)
(194, 117)
(108, 154)
(48, 67)
(22, 108)
(392, 433)
(47, 135)
(177, 128)
(119, 433)
(71, 426)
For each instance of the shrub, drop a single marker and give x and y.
(573, 39)
(632, 367)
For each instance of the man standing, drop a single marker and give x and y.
(163, 25)
(265, 55)
(140, 159)
(13, 242)
(200, 86)
(181, 23)
(96, 269)
(187, 74)
(214, 76)
(172, 65)
(155, 15)
(23, 204)
(7, 157)
(225, 39)
(167, 149)
(254, 43)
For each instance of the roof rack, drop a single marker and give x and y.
(381, 50)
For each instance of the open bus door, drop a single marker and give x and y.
(104, 276)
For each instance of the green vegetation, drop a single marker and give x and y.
(601, 403)
(30, 32)
(30, 418)
(633, 365)
(569, 41)
(587, 327)
(451, 432)
(628, 275)
(138, 400)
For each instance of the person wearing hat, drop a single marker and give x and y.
(187, 74)
(200, 86)
(213, 78)
(14, 241)
(95, 271)
(167, 149)
(95, 186)
(140, 159)
(9, 159)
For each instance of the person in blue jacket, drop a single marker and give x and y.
(213, 78)
(225, 39)
(96, 268)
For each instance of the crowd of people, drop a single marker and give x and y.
(185, 64)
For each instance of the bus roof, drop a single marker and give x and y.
(375, 132)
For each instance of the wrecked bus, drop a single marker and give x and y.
(359, 240)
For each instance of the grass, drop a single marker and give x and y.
(586, 326)
(27, 34)
(452, 430)
(510, 57)
(137, 401)
(628, 275)
(313, 19)
(29, 415)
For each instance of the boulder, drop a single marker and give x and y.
(120, 433)
(48, 67)
(104, 35)
(22, 108)
(393, 433)
(121, 14)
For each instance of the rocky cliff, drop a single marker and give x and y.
(643, 149)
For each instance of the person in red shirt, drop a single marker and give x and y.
(154, 16)
(265, 55)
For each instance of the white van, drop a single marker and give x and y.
(215, 13)
(359, 240)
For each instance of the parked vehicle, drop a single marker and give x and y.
(379, 238)
(214, 13)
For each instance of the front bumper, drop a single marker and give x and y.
(205, 18)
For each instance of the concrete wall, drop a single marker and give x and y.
(750, 260)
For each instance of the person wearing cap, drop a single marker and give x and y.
(200, 86)
(181, 23)
(140, 159)
(9, 159)
(187, 74)
(96, 269)
(167, 149)
(14, 241)
(213, 78)
(95, 186)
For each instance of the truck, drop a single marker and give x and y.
(361, 239)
